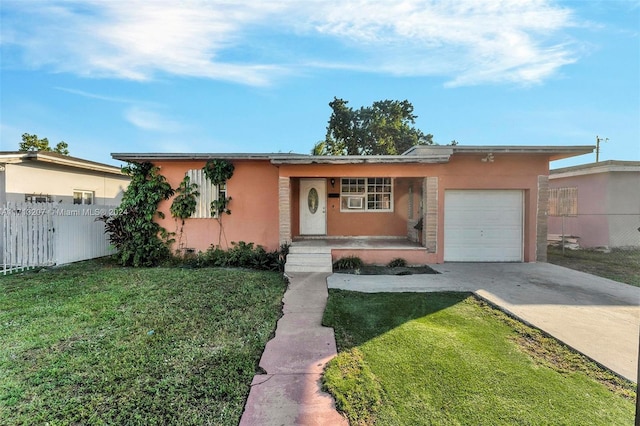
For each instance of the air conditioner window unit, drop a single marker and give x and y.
(355, 202)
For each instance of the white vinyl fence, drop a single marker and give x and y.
(45, 234)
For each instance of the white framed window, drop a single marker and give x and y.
(82, 197)
(37, 198)
(208, 193)
(374, 194)
(563, 201)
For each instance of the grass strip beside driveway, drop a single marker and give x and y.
(447, 359)
(618, 265)
(94, 344)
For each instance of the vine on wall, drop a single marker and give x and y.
(184, 205)
(133, 231)
(139, 239)
(219, 171)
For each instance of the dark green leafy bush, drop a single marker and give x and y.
(348, 262)
(240, 255)
(397, 263)
(139, 239)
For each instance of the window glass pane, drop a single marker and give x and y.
(377, 192)
(77, 198)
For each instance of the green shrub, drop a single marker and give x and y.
(240, 255)
(133, 231)
(397, 263)
(348, 262)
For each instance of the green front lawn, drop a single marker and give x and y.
(448, 359)
(95, 344)
(617, 265)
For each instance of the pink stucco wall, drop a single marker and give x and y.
(608, 209)
(382, 257)
(254, 206)
(358, 223)
(461, 172)
(506, 172)
(369, 223)
(591, 224)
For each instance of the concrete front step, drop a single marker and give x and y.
(298, 249)
(309, 262)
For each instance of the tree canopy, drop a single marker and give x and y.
(384, 128)
(33, 143)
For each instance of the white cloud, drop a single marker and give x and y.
(98, 96)
(467, 42)
(150, 120)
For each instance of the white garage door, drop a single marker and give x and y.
(483, 226)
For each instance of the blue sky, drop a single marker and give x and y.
(246, 76)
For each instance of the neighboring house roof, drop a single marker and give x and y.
(416, 154)
(593, 168)
(15, 157)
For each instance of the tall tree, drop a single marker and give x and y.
(385, 127)
(33, 143)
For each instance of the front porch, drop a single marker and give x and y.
(376, 219)
(317, 254)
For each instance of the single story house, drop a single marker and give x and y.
(596, 203)
(432, 204)
(40, 176)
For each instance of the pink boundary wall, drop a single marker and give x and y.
(382, 257)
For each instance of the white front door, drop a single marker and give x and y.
(313, 206)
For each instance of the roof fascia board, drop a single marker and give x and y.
(521, 148)
(135, 157)
(605, 168)
(363, 159)
(554, 152)
(416, 154)
(78, 163)
(22, 157)
(12, 158)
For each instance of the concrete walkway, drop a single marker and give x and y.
(596, 316)
(290, 393)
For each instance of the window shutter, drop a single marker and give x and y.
(207, 190)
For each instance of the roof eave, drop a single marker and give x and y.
(553, 152)
(362, 159)
(426, 154)
(60, 160)
(159, 156)
(608, 166)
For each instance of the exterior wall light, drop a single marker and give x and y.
(488, 158)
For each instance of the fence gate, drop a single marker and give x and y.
(27, 236)
(44, 234)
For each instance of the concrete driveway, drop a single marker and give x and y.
(596, 316)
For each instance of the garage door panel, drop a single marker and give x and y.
(483, 225)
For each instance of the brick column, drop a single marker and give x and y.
(430, 225)
(284, 203)
(541, 220)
